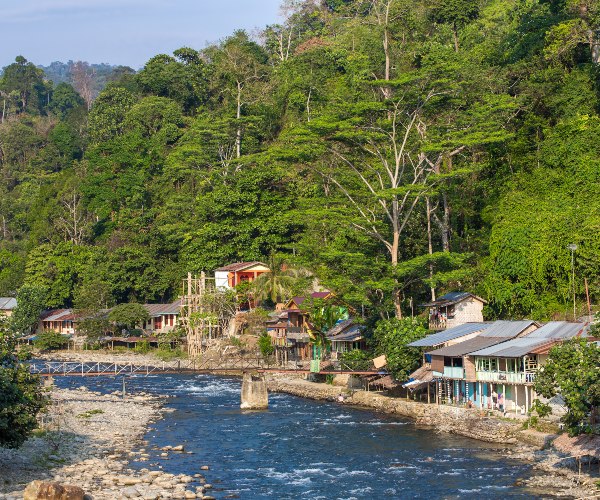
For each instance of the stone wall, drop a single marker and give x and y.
(462, 421)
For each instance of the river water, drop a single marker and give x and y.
(308, 449)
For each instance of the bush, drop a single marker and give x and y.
(143, 347)
(21, 396)
(50, 341)
(165, 353)
(265, 345)
(357, 360)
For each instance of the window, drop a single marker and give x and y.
(487, 364)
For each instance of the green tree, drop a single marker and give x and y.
(21, 397)
(456, 13)
(265, 345)
(571, 371)
(281, 282)
(391, 338)
(31, 301)
(129, 316)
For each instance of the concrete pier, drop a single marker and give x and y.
(254, 392)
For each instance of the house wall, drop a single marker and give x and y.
(6, 312)
(469, 365)
(221, 280)
(467, 311)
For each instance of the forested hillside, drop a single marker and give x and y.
(389, 146)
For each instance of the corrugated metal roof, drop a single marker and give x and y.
(59, 315)
(560, 330)
(160, 309)
(452, 298)
(449, 334)
(507, 329)
(466, 347)
(514, 348)
(351, 334)
(340, 327)
(7, 303)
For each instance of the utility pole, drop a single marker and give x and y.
(573, 247)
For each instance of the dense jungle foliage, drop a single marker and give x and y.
(391, 147)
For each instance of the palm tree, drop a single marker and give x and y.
(280, 283)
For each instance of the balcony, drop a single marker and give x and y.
(438, 324)
(506, 378)
(456, 372)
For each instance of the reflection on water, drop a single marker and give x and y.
(310, 449)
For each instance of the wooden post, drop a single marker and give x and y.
(526, 399)
(516, 399)
(428, 394)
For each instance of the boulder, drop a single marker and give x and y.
(44, 490)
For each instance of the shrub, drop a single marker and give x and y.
(142, 347)
(265, 345)
(357, 360)
(50, 341)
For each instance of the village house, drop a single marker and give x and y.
(504, 374)
(231, 275)
(7, 306)
(346, 336)
(59, 320)
(445, 366)
(163, 317)
(453, 309)
(289, 329)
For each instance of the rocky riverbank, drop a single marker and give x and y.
(556, 471)
(87, 439)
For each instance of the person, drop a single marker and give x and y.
(501, 401)
(494, 400)
(340, 398)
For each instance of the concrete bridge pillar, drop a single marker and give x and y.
(254, 392)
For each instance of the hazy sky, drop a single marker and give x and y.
(126, 32)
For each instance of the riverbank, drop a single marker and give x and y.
(87, 440)
(556, 471)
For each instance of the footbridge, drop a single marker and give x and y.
(196, 366)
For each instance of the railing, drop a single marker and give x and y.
(438, 324)
(505, 377)
(454, 372)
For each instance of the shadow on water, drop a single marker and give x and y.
(311, 449)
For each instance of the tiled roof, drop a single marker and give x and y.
(7, 303)
(240, 266)
(449, 334)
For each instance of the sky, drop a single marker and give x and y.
(126, 32)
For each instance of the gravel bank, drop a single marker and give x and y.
(88, 441)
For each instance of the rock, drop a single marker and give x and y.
(208, 497)
(164, 454)
(190, 494)
(205, 467)
(130, 492)
(207, 486)
(130, 481)
(178, 448)
(44, 490)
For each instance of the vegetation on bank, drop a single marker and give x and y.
(388, 146)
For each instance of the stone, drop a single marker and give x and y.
(205, 467)
(178, 448)
(208, 486)
(44, 490)
(130, 492)
(130, 481)
(208, 497)
(190, 494)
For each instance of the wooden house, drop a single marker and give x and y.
(231, 275)
(346, 336)
(7, 306)
(453, 309)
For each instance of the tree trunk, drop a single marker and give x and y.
(445, 227)
(455, 36)
(238, 135)
(430, 245)
(594, 46)
(394, 254)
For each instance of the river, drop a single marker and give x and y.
(307, 449)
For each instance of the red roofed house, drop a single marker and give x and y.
(59, 320)
(233, 274)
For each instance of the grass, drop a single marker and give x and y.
(169, 354)
(90, 413)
